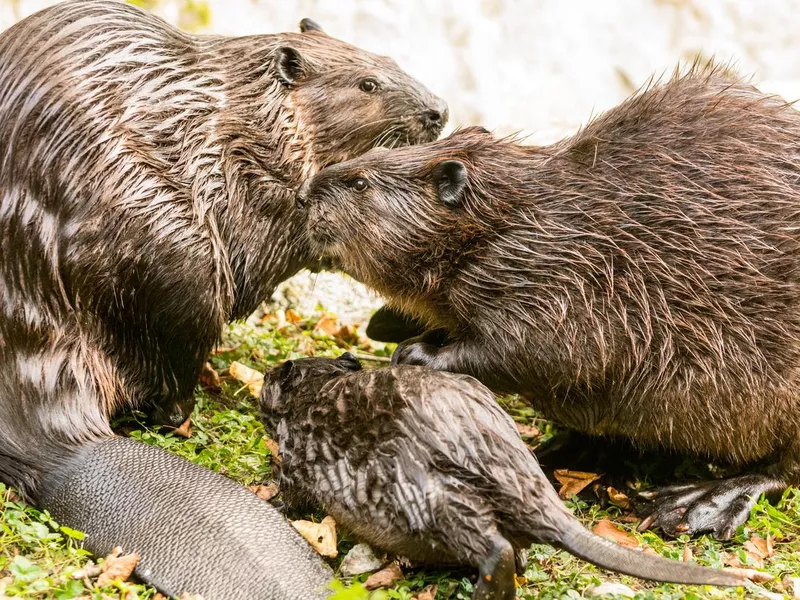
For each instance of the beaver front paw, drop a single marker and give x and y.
(718, 507)
(415, 352)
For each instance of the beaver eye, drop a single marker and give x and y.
(368, 85)
(359, 184)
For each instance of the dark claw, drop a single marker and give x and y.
(718, 507)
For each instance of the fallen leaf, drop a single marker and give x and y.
(209, 378)
(321, 536)
(250, 377)
(265, 492)
(117, 566)
(328, 323)
(384, 578)
(760, 546)
(754, 561)
(293, 317)
(572, 482)
(751, 574)
(185, 430)
(618, 498)
(274, 450)
(427, 593)
(687, 554)
(222, 350)
(527, 430)
(608, 530)
(347, 334)
(159, 596)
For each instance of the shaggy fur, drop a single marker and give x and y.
(147, 183)
(640, 279)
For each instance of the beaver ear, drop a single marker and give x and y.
(350, 361)
(310, 25)
(288, 65)
(286, 370)
(450, 178)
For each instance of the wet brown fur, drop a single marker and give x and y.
(147, 184)
(639, 279)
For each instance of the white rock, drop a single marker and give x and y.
(360, 559)
(610, 589)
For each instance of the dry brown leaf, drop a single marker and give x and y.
(755, 561)
(293, 317)
(265, 492)
(618, 498)
(573, 482)
(274, 450)
(328, 323)
(222, 350)
(608, 530)
(321, 536)
(760, 546)
(384, 578)
(250, 377)
(527, 430)
(209, 378)
(185, 430)
(427, 593)
(751, 574)
(117, 566)
(687, 553)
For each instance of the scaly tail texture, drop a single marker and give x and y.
(599, 551)
(195, 530)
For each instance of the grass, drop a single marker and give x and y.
(38, 558)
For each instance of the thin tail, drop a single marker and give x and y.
(578, 541)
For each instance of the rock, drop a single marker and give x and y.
(610, 589)
(360, 559)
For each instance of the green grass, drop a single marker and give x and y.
(38, 558)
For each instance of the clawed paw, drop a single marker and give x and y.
(716, 507)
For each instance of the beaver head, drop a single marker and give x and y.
(348, 100)
(285, 385)
(404, 221)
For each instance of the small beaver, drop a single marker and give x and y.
(147, 184)
(427, 465)
(640, 279)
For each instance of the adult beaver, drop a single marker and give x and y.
(427, 465)
(640, 279)
(147, 183)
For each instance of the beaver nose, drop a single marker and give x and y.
(436, 117)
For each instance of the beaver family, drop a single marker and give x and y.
(147, 183)
(428, 466)
(639, 280)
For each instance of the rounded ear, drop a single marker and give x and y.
(286, 369)
(450, 179)
(310, 25)
(350, 361)
(288, 65)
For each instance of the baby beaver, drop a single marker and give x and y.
(425, 464)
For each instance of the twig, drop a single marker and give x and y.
(383, 359)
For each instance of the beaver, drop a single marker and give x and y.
(639, 280)
(426, 465)
(147, 184)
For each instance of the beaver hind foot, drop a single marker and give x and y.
(718, 507)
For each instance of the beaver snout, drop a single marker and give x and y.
(435, 118)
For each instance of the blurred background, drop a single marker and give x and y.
(542, 67)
